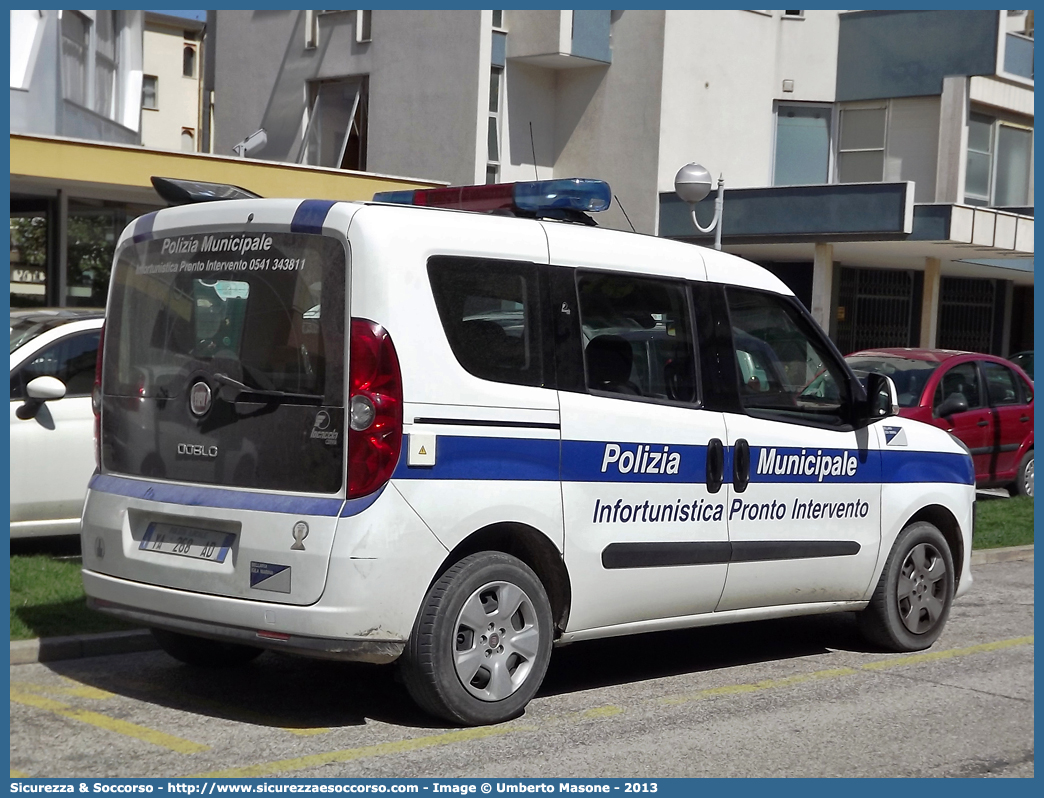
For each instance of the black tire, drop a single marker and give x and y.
(912, 600)
(204, 653)
(457, 668)
(1023, 484)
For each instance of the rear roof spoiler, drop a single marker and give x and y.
(186, 192)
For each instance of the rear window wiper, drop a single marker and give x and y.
(242, 389)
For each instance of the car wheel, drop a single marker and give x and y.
(481, 643)
(202, 652)
(1023, 485)
(912, 600)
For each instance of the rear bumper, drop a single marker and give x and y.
(345, 649)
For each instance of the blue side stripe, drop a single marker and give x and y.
(310, 216)
(458, 457)
(523, 459)
(199, 496)
(912, 467)
(143, 227)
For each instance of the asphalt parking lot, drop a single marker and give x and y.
(795, 697)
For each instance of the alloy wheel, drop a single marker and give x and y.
(497, 640)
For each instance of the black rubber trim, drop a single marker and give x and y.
(981, 450)
(1009, 447)
(654, 555)
(657, 555)
(473, 422)
(765, 550)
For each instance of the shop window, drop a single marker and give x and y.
(802, 145)
(29, 250)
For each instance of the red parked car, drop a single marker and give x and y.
(985, 401)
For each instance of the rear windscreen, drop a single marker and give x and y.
(258, 321)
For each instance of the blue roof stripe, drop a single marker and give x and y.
(310, 216)
(143, 227)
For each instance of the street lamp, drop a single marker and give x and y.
(692, 184)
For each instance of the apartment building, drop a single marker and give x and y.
(171, 83)
(879, 162)
(88, 131)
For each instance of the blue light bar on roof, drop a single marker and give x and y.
(568, 194)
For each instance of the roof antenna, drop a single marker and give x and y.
(532, 144)
(628, 218)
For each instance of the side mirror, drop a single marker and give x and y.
(881, 396)
(954, 403)
(40, 390)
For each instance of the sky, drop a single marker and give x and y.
(200, 15)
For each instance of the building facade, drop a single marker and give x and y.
(171, 82)
(79, 171)
(879, 162)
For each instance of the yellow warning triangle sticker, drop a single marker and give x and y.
(422, 451)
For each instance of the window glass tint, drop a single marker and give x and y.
(786, 369)
(1014, 147)
(962, 379)
(1001, 387)
(489, 311)
(862, 129)
(1027, 391)
(910, 376)
(802, 145)
(637, 337)
(71, 360)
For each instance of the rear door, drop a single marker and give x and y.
(803, 505)
(223, 408)
(974, 426)
(646, 535)
(1012, 416)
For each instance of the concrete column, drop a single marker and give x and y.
(953, 140)
(930, 303)
(823, 285)
(61, 278)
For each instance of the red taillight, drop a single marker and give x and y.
(96, 398)
(374, 408)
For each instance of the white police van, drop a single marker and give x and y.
(393, 431)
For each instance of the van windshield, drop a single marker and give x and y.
(259, 320)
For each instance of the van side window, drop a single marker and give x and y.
(490, 312)
(637, 337)
(786, 370)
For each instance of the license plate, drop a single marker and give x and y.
(187, 541)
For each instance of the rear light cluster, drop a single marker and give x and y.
(96, 399)
(374, 408)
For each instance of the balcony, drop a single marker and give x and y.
(559, 39)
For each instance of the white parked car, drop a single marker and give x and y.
(53, 354)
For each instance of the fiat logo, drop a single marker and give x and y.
(200, 398)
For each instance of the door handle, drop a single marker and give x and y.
(983, 423)
(715, 465)
(741, 465)
(1024, 419)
